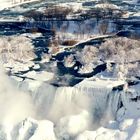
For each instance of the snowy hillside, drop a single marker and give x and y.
(10, 3)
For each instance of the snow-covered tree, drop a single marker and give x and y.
(88, 58)
(122, 50)
(88, 55)
(69, 61)
(16, 48)
(125, 53)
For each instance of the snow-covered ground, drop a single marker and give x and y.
(10, 3)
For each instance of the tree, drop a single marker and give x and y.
(87, 55)
(103, 27)
(124, 52)
(121, 49)
(16, 48)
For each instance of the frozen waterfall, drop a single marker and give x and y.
(68, 111)
(94, 96)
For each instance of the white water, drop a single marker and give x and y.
(74, 109)
(55, 103)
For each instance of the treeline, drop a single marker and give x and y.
(61, 13)
(54, 12)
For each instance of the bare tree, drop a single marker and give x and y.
(16, 48)
(103, 27)
(120, 49)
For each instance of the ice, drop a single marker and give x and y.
(96, 108)
(131, 102)
(127, 130)
(82, 112)
(102, 134)
(87, 135)
(126, 124)
(30, 129)
(39, 76)
(36, 67)
(25, 129)
(44, 131)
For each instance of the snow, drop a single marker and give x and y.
(88, 40)
(31, 129)
(85, 114)
(87, 111)
(107, 6)
(103, 133)
(33, 36)
(74, 5)
(136, 14)
(87, 68)
(44, 131)
(8, 3)
(101, 82)
(127, 129)
(39, 76)
(73, 125)
(36, 67)
(18, 79)
(69, 61)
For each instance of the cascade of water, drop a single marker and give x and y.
(43, 95)
(72, 100)
(55, 103)
(113, 104)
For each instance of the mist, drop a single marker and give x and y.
(14, 104)
(70, 109)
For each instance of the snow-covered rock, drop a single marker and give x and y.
(39, 76)
(107, 6)
(30, 129)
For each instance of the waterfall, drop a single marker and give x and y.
(98, 101)
(113, 104)
(86, 106)
(54, 103)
